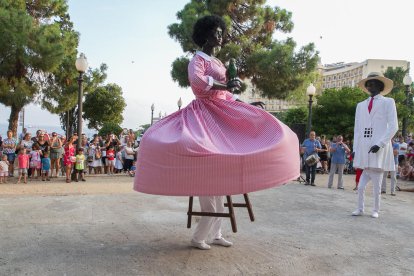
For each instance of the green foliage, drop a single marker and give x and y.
(104, 105)
(34, 41)
(274, 66)
(398, 94)
(142, 129)
(297, 115)
(334, 113)
(108, 128)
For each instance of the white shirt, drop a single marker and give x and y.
(400, 150)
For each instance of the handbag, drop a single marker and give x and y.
(89, 158)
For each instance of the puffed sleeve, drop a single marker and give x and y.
(197, 74)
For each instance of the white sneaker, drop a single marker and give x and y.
(222, 242)
(374, 214)
(358, 212)
(200, 245)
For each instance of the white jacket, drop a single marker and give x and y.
(375, 128)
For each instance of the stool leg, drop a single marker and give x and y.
(249, 206)
(231, 213)
(190, 211)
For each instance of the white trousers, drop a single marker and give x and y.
(393, 181)
(375, 176)
(209, 227)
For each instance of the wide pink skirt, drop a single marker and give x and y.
(216, 147)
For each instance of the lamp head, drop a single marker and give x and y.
(311, 90)
(407, 80)
(81, 63)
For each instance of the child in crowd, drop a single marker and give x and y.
(110, 159)
(4, 169)
(23, 165)
(119, 164)
(35, 161)
(45, 166)
(133, 168)
(80, 165)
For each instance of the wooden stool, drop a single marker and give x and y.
(230, 214)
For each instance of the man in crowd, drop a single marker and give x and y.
(338, 154)
(402, 150)
(311, 146)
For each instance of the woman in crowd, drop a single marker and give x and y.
(407, 171)
(95, 157)
(323, 154)
(55, 153)
(129, 156)
(69, 157)
(42, 143)
(9, 148)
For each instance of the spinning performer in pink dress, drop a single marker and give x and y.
(215, 146)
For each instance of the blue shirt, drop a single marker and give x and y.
(310, 147)
(338, 156)
(45, 164)
(395, 146)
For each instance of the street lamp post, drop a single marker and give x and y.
(407, 82)
(310, 91)
(152, 113)
(81, 66)
(180, 103)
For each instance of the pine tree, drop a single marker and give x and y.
(273, 66)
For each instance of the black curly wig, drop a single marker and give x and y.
(205, 26)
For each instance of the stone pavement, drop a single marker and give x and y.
(102, 227)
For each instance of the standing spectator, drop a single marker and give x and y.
(338, 152)
(131, 136)
(23, 165)
(35, 161)
(110, 158)
(410, 152)
(310, 146)
(95, 153)
(69, 157)
(21, 136)
(119, 164)
(42, 143)
(402, 150)
(45, 167)
(55, 154)
(323, 154)
(129, 157)
(80, 165)
(9, 148)
(392, 173)
(4, 169)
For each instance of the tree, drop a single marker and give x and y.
(108, 128)
(398, 93)
(32, 45)
(297, 115)
(104, 105)
(335, 111)
(273, 66)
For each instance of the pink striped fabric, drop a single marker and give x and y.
(215, 146)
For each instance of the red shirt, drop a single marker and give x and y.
(23, 161)
(110, 154)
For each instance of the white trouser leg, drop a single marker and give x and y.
(384, 182)
(376, 178)
(209, 225)
(393, 181)
(363, 181)
(340, 174)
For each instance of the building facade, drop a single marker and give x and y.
(341, 74)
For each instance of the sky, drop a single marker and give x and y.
(131, 37)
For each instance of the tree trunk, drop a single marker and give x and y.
(14, 119)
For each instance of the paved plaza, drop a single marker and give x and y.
(102, 227)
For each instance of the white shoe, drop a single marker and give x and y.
(374, 214)
(358, 212)
(200, 245)
(222, 242)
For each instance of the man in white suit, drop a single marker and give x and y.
(375, 125)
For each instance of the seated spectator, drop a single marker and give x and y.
(407, 172)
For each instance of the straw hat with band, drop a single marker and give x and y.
(388, 84)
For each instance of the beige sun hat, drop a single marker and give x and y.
(388, 84)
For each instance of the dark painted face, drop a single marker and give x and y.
(374, 86)
(216, 37)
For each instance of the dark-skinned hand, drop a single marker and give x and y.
(234, 84)
(374, 149)
(259, 104)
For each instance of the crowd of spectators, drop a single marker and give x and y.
(45, 156)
